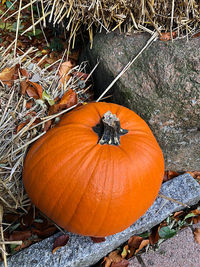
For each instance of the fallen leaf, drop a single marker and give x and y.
(135, 241)
(197, 235)
(196, 35)
(122, 263)
(68, 100)
(46, 232)
(7, 76)
(24, 73)
(81, 75)
(98, 239)
(168, 175)
(143, 244)
(154, 236)
(166, 232)
(29, 104)
(107, 262)
(124, 251)
(114, 256)
(36, 90)
(19, 235)
(64, 70)
(166, 36)
(21, 125)
(196, 219)
(25, 244)
(59, 242)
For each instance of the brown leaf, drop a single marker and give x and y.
(25, 244)
(97, 239)
(143, 244)
(197, 235)
(166, 36)
(81, 75)
(7, 76)
(168, 175)
(122, 263)
(46, 232)
(107, 262)
(63, 71)
(135, 241)
(19, 235)
(68, 100)
(24, 73)
(114, 256)
(29, 104)
(59, 242)
(21, 125)
(196, 35)
(47, 125)
(154, 236)
(196, 219)
(37, 90)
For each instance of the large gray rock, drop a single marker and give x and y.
(81, 251)
(162, 86)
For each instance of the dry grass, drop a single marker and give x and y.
(182, 16)
(13, 112)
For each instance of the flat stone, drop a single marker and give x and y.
(80, 251)
(180, 250)
(161, 86)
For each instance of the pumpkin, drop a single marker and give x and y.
(97, 171)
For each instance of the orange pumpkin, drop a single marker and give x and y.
(96, 172)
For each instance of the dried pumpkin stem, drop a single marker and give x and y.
(109, 130)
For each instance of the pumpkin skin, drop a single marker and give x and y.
(93, 189)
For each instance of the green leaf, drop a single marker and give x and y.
(8, 4)
(36, 33)
(12, 248)
(145, 235)
(189, 215)
(166, 232)
(48, 98)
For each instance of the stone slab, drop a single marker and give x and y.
(162, 86)
(80, 251)
(180, 250)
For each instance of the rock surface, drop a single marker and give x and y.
(162, 86)
(81, 251)
(180, 250)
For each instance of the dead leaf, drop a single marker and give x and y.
(114, 256)
(7, 76)
(36, 90)
(25, 244)
(154, 236)
(59, 242)
(68, 100)
(143, 244)
(168, 175)
(29, 104)
(81, 75)
(196, 35)
(196, 219)
(64, 70)
(122, 263)
(107, 262)
(125, 251)
(166, 36)
(135, 241)
(45, 232)
(98, 239)
(24, 73)
(197, 235)
(19, 235)
(21, 125)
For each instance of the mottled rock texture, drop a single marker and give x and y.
(162, 86)
(80, 251)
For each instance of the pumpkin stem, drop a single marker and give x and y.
(109, 129)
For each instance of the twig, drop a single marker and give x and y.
(3, 251)
(173, 200)
(153, 37)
